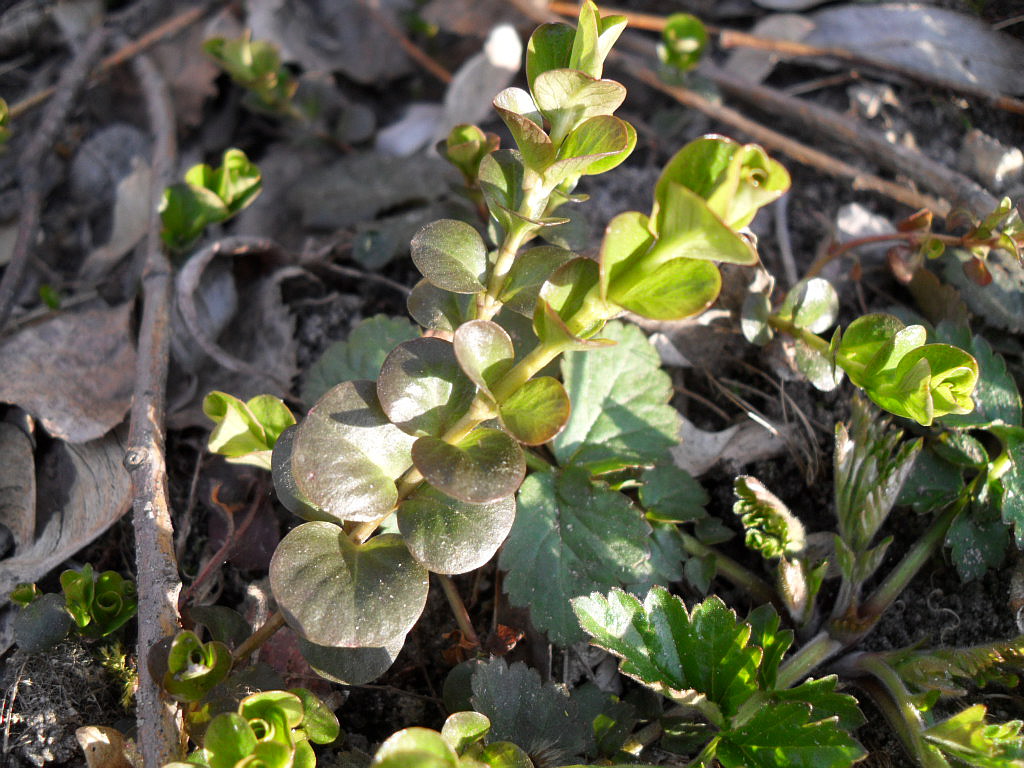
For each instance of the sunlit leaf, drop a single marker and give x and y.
(484, 466)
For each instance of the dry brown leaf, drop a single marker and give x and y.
(82, 490)
(74, 372)
(132, 206)
(698, 451)
(17, 484)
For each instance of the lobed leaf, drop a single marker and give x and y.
(771, 529)
(337, 593)
(672, 495)
(621, 416)
(570, 537)
(360, 356)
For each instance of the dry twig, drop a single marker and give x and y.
(159, 721)
(67, 90)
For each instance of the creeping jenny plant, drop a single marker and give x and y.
(526, 417)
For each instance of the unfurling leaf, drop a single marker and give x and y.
(683, 41)
(194, 667)
(246, 432)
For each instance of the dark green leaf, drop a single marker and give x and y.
(620, 395)
(224, 624)
(484, 350)
(451, 255)
(528, 713)
(825, 701)
(434, 308)
(421, 387)
(996, 397)
(672, 495)
(449, 536)
(764, 632)
(785, 736)
(360, 356)
(570, 537)
(976, 545)
(484, 466)
(351, 666)
(346, 454)
(537, 411)
(284, 480)
(338, 593)
(932, 483)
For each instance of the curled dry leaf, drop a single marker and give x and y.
(82, 490)
(698, 451)
(74, 372)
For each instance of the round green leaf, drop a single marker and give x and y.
(194, 667)
(266, 705)
(435, 308)
(351, 666)
(338, 593)
(450, 536)
(451, 255)
(550, 47)
(284, 480)
(683, 41)
(485, 466)
(346, 454)
(818, 368)
(537, 411)
(812, 304)
(229, 738)
(505, 754)
(463, 729)
(421, 387)
(319, 723)
(484, 350)
(415, 748)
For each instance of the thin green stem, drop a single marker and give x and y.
(726, 567)
(912, 562)
(818, 650)
(705, 756)
(912, 238)
(257, 638)
(458, 609)
(526, 369)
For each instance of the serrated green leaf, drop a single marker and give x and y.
(785, 736)
(482, 467)
(346, 454)
(422, 388)
(451, 255)
(764, 624)
(825, 701)
(351, 666)
(484, 351)
(931, 484)
(537, 411)
(526, 712)
(337, 593)
(437, 309)
(1001, 302)
(360, 356)
(570, 537)
(698, 657)
(951, 671)
(967, 737)
(1011, 481)
(672, 495)
(620, 395)
(450, 536)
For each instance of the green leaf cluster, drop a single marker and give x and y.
(207, 196)
(683, 41)
(246, 432)
(463, 742)
(727, 672)
(271, 729)
(100, 604)
(256, 66)
(194, 667)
